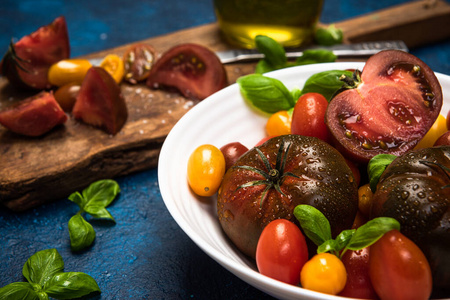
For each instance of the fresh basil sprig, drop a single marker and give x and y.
(328, 36)
(317, 228)
(93, 201)
(46, 278)
(376, 167)
(275, 56)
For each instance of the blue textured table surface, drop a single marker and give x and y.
(145, 255)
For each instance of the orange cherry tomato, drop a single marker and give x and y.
(113, 64)
(324, 273)
(279, 123)
(205, 170)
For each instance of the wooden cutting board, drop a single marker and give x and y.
(38, 170)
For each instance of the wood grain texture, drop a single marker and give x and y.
(37, 170)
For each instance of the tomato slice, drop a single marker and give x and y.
(114, 65)
(27, 62)
(192, 69)
(390, 110)
(33, 116)
(138, 61)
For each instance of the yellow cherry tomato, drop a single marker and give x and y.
(279, 123)
(439, 128)
(324, 273)
(205, 170)
(114, 65)
(68, 71)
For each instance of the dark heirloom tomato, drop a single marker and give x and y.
(138, 61)
(413, 189)
(396, 101)
(193, 69)
(33, 116)
(27, 62)
(100, 102)
(270, 180)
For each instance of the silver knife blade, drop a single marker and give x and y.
(342, 50)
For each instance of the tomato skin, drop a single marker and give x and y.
(205, 170)
(138, 61)
(279, 123)
(443, 140)
(193, 69)
(232, 152)
(439, 128)
(281, 251)
(68, 70)
(398, 268)
(308, 118)
(324, 273)
(358, 280)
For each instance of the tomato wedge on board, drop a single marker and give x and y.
(192, 69)
(100, 102)
(33, 116)
(27, 62)
(389, 108)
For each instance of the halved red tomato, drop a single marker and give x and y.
(138, 61)
(390, 109)
(27, 62)
(33, 116)
(192, 69)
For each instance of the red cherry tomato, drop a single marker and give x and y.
(232, 152)
(193, 69)
(281, 251)
(398, 268)
(358, 281)
(308, 117)
(443, 139)
(263, 140)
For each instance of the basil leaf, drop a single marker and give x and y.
(315, 56)
(101, 192)
(18, 290)
(99, 212)
(42, 265)
(81, 233)
(314, 224)
(263, 67)
(328, 36)
(327, 246)
(70, 285)
(376, 167)
(274, 53)
(371, 231)
(296, 92)
(77, 198)
(325, 83)
(344, 238)
(267, 94)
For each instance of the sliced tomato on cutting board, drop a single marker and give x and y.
(27, 62)
(192, 69)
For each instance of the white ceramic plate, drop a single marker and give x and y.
(220, 119)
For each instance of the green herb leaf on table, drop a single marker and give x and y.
(71, 285)
(274, 53)
(93, 200)
(45, 274)
(42, 266)
(265, 93)
(82, 234)
(315, 56)
(376, 167)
